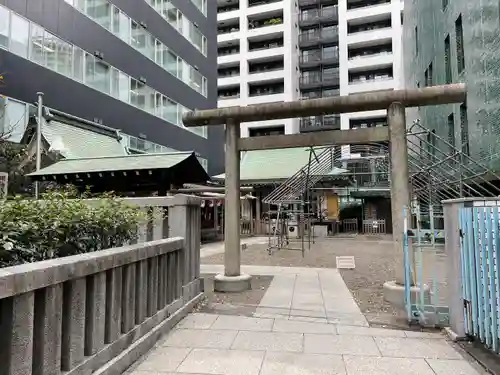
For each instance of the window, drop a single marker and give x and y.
(137, 97)
(99, 11)
(37, 47)
(447, 59)
(64, 58)
(170, 63)
(121, 25)
(19, 35)
(169, 110)
(4, 27)
(431, 76)
(460, 44)
(50, 44)
(78, 63)
(464, 129)
(97, 74)
(16, 119)
(445, 4)
(120, 85)
(451, 132)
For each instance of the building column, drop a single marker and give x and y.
(232, 280)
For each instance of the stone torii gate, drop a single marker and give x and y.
(394, 101)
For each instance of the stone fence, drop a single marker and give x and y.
(99, 312)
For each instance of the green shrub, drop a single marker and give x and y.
(59, 225)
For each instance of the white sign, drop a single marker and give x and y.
(345, 262)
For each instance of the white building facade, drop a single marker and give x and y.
(284, 50)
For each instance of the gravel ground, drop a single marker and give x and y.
(375, 263)
(233, 303)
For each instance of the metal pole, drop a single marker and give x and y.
(39, 139)
(400, 191)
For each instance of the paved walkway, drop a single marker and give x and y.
(307, 323)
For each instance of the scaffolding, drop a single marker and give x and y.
(289, 225)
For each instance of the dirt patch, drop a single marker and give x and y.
(376, 261)
(244, 303)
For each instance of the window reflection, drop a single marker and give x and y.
(44, 48)
(19, 36)
(4, 27)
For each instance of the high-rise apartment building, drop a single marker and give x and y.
(457, 41)
(280, 50)
(133, 65)
(257, 58)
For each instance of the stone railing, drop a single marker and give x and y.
(98, 312)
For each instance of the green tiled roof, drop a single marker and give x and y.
(75, 142)
(273, 165)
(115, 163)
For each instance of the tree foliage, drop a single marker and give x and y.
(59, 225)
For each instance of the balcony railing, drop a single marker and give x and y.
(319, 94)
(368, 55)
(319, 35)
(317, 15)
(232, 73)
(258, 46)
(359, 81)
(266, 91)
(228, 30)
(228, 52)
(366, 4)
(228, 96)
(318, 123)
(319, 57)
(264, 69)
(228, 8)
(254, 3)
(269, 22)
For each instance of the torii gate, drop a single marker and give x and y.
(394, 101)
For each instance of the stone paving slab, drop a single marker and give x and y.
(307, 323)
(339, 344)
(269, 341)
(222, 362)
(416, 348)
(302, 364)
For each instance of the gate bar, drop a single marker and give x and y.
(445, 94)
(395, 102)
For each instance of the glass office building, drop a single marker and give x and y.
(135, 65)
(449, 41)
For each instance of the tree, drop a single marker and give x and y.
(15, 160)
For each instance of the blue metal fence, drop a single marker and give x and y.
(425, 277)
(480, 246)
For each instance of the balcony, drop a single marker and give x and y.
(265, 44)
(319, 123)
(310, 81)
(319, 36)
(303, 3)
(358, 4)
(257, 24)
(316, 59)
(228, 8)
(374, 60)
(319, 16)
(228, 29)
(266, 89)
(320, 94)
(254, 3)
(264, 67)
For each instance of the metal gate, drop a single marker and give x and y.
(480, 246)
(426, 283)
